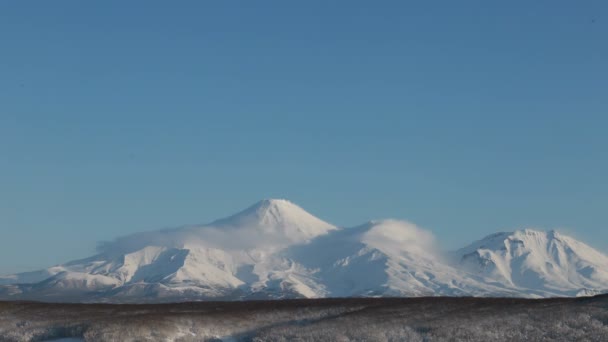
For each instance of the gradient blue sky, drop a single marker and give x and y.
(464, 117)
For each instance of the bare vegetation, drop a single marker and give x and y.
(353, 319)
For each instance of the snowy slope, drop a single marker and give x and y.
(544, 263)
(386, 258)
(277, 217)
(275, 249)
(30, 277)
(234, 257)
(271, 224)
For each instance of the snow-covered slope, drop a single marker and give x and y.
(231, 258)
(275, 249)
(543, 263)
(386, 258)
(30, 277)
(277, 217)
(268, 224)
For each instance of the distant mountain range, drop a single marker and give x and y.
(275, 249)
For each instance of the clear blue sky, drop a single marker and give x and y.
(464, 117)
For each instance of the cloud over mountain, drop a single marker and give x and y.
(275, 249)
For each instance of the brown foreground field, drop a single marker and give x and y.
(341, 319)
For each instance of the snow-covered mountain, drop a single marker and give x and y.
(386, 258)
(537, 262)
(275, 249)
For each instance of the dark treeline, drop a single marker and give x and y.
(338, 319)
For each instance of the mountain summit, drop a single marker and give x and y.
(277, 216)
(275, 249)
(546, 263)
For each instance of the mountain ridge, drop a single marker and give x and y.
(275, 249)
